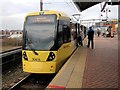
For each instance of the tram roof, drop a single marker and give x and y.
(47, 12)
(85, 4)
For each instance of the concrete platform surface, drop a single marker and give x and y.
(91, 68)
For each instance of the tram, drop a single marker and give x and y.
(49, 38)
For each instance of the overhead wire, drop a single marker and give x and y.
(74, 10)
(70, 5)
(74, 6)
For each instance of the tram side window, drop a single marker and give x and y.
(60, 35)
(66, 34)
(73, 31)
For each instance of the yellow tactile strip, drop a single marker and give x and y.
(62, 78)
(78, 72)
(71, 74)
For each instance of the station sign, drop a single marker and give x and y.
(110, 22)
(105, 23)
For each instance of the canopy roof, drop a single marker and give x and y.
(85, 4)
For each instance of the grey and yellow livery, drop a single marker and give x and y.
(48, 40)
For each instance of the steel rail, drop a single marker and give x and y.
(10, 52)
(10, 58)
(17, 85)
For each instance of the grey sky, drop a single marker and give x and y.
(14, 11)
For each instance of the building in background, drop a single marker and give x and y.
(10, 33)
(111, 26)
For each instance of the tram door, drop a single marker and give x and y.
(77, 32)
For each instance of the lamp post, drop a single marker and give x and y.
(41, 5)
(107, 22)
(100, 19)
(106, 11)
(76, 16)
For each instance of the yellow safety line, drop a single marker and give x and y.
(62, 69)
(78, 72)
(81, 60)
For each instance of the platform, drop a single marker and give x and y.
(90, 68)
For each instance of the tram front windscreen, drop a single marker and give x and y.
(39, 32)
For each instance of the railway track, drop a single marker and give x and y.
(33, 82)
(10, 50)
(17, 85)
(10, 58)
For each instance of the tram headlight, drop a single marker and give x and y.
(51, 56)
(25, 56)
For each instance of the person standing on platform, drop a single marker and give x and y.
(80, 40)
(98, 32)
(90, 37)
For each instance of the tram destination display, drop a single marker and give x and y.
(41, 19)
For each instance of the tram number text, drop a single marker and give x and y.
(36, 59)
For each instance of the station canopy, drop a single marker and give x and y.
(85, 4)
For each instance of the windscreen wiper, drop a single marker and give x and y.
(31, 47)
